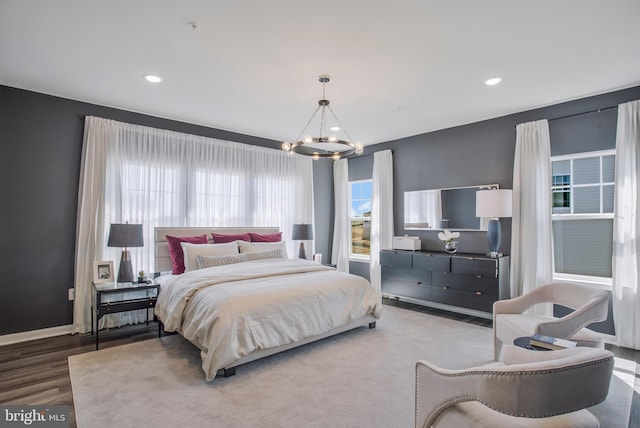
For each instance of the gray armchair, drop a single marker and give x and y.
(525, 389)
(589, 304)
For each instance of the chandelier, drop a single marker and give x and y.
(325, 145)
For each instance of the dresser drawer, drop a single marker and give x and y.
(487, 268)
(399, 284)
(431, 262)
(396, 259)
(466, 282)
(466, 299)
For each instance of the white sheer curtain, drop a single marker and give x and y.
(164, 178)
(626, 226)
(531, 236)
(423, 209)
(381, 212)
(341, 222)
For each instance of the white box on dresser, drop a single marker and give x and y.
(411, 243)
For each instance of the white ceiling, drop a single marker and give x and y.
(398, 68)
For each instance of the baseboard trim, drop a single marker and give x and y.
(8, 339)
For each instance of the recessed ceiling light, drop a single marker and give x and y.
(335, 128)
(493, 81)
(153, 78)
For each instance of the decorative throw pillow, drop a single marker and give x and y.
(175, 250)
(222, 238)
(192, 251)
(212, 261)
(254, 247)
(269, 237)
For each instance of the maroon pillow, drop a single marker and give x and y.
(269, 237)
(175, 250)
(221, 238)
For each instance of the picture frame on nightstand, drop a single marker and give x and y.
(103, 272)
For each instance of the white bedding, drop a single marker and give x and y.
(230, 311)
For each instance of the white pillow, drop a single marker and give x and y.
(255, 247)
(192, 251)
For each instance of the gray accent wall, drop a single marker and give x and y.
(483, 152)
(41, 146)
(41, 143)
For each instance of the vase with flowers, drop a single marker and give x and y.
(448, 238)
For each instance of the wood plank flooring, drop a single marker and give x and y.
(37, 372)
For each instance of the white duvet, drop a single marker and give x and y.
(233, 310)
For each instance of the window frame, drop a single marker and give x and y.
(352, 256)
(588, 279)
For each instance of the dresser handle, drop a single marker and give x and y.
(419, 282)
(471, 258)
(445, 288)
(478, 293)
(478, 276)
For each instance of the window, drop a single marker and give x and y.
(582, 215)
(360, 197)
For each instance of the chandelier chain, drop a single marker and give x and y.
(308, 123)
(340, 124)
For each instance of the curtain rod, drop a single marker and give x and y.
(583, 113)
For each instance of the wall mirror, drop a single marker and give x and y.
(452, 208)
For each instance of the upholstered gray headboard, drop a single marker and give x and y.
(162, 258)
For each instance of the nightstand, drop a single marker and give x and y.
(113, 297)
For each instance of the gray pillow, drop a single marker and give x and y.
(211, 261)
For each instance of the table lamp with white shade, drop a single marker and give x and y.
(493, 204)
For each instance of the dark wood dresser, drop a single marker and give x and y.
(464, 282)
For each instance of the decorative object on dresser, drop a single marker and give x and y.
(466, 283)
(406, 243)
(302, 232)
(125, 235)
(494, 204)
(447, 237)
(325, 145)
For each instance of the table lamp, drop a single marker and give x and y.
(125, 235)
(493, 204)
(302, 232)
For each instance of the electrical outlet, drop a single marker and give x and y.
(72, 294)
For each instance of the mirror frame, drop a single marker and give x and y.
(477, 186)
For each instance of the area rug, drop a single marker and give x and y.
(361, 378)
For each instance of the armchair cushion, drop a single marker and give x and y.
(473, 414)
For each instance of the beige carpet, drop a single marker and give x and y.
(362, 378)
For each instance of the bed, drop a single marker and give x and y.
(240, 307)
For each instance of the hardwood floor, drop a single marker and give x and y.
(37, 372)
